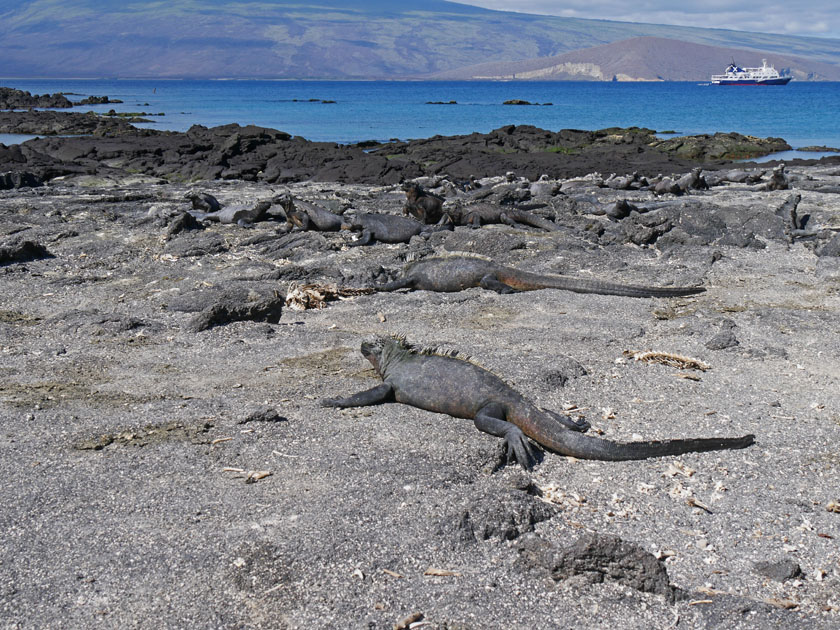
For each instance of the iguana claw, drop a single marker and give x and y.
(519, 448)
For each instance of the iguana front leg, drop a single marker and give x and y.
(374, 396)
(504, 218)
(490, 419)
(401, 283)
(492, 283)
(366, 238)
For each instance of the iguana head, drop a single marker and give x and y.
(284, 200)
(413, 191)
(371, 350)
(382, 349)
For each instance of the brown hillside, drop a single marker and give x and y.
(644, 59)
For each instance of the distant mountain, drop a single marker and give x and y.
(339, 39)
(643, 59)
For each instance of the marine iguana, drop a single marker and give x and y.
(422, 204)
(240, 214)
(448, 274)
(307, 216)
(444, 383)
(203, 202)
(478, 214)
(388, 228)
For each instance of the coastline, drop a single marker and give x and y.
(274, 157)
(383, 110)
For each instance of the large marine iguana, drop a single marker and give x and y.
(423, 205)
(205, 207)
(478, 214)
(444, 383)
(427, 207)
(448, 274)
(307, 216)
(388, 228)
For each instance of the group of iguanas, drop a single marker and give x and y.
(445, 383)
(425, 214)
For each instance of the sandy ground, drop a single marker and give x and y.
(159, 477)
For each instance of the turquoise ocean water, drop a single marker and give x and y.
(803, 113)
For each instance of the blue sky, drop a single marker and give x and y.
(815, 18)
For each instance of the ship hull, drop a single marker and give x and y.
(779, 81)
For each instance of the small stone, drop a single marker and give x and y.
(266, 414)
(723, 340)
(780, 570)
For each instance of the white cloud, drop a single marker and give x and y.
(806, 17)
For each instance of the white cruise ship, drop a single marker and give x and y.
(735, 75)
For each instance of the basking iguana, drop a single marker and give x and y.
(388, 228)
(423, 205)
(456, 273)
(478, 214)
(427, 207)
(207, 208)
(307, 216)
(454, 386)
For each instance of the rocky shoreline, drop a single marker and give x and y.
(166, 458)
(112, 146)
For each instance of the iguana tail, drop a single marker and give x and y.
(525, 281)
(581, 446)
(528, 218)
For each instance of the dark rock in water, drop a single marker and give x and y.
(596, 558)
(24, 251)
(819, 149)
(19, 179)
(11, 98)
(96, 100)
(780, 570)
(721, 146)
